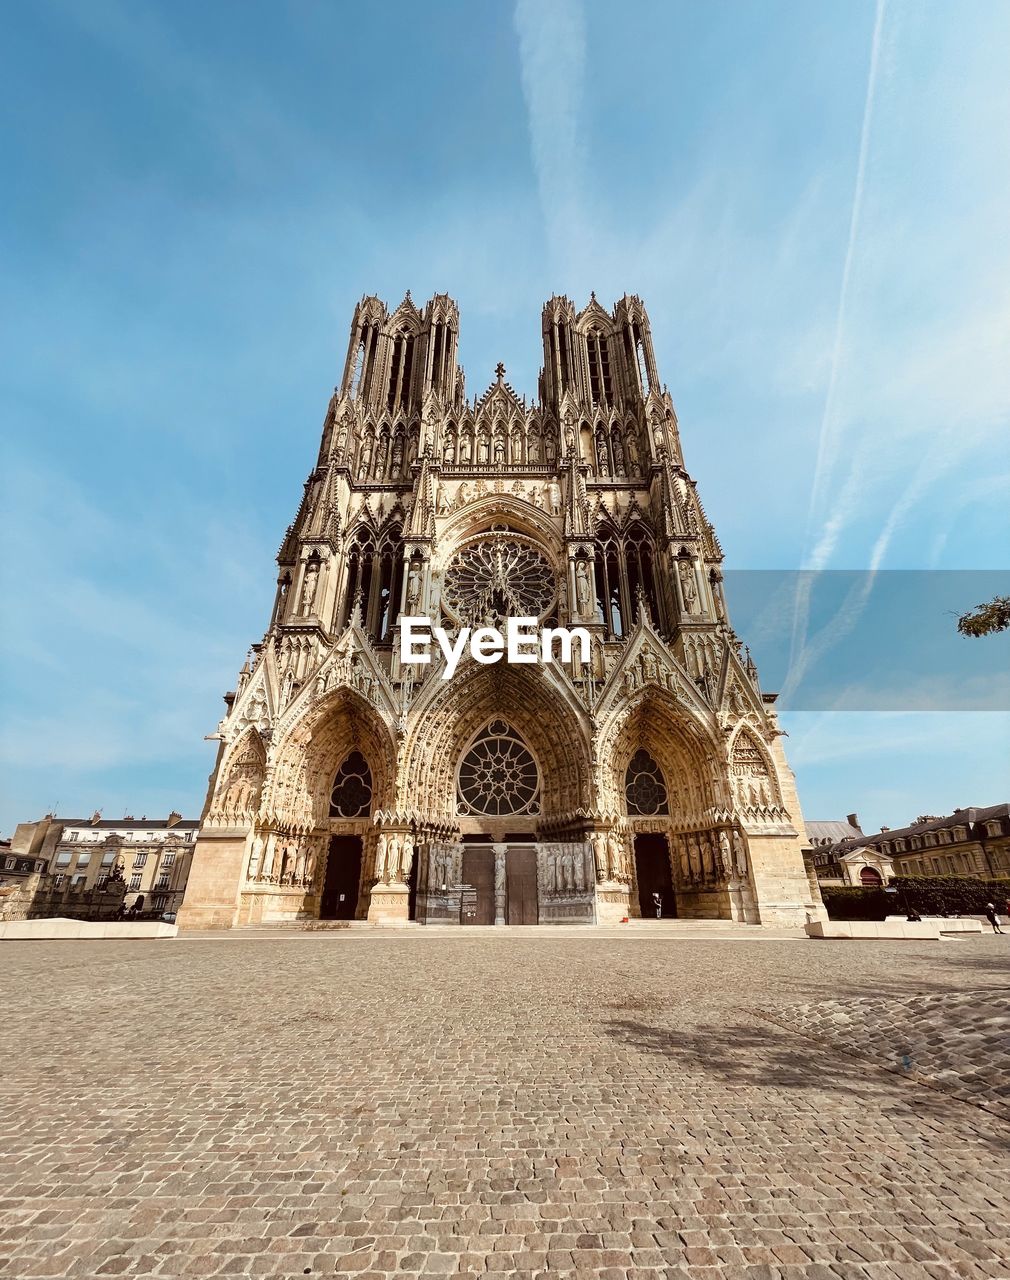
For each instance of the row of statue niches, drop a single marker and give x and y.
(391, 457)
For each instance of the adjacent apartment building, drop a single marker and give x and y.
(967, 842)
(154, 855)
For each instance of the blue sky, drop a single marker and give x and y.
(813, 200)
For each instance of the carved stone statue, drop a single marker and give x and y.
(599, 843)
(392, 856)
(613, 856)
(583, 588)
(406, 857)
(413, 588)
(309, 585)
(380, 857)
(688, 586)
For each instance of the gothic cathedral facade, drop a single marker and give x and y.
(645, 776)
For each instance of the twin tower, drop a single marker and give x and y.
(643, 773)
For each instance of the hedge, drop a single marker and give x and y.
(952, 895)
(850, 902)
(929, 895)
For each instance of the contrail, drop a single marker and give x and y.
(827, 447)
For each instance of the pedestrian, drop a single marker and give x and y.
(992, 917)
(657, 902)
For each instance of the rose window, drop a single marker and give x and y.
(644, 788)
(352, 789)
(496, 578)
(498, 775)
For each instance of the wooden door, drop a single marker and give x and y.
(478, 873)
(343, 875)
(652, 870)
(521, 885)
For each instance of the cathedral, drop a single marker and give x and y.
(641, 774)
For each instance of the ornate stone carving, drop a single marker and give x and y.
(663, 731)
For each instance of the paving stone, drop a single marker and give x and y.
(373, 1104)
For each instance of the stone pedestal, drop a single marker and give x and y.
(389, 904)
(613, 902)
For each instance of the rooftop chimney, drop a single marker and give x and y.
(853, 820)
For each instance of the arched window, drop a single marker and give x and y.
(359, 368)
(638, 560)
(359, 577)
(566, 363)
(351, 796)
(436, 357)
(870, 876)
(384, 607)
(610, 599)
(643, 367)
(400, 370)
(498, 775)
(644, 788)
(599, 368)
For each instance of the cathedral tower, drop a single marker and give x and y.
(580, 789)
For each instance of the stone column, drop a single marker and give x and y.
(499, 882)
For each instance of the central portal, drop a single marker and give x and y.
(500, 884)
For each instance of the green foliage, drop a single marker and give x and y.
(852, 902)
(952, 895)
(986, 618)
(929, 895)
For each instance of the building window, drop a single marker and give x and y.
(498, 775)
(101, 882)
(73, 835)
(351, 796)
(58, 881)
(163, 881)
(108, 857)
(644, 787)
(159, 902)
(168, 859)
(9, 864)
(78, 882)
(139, 861)
(135, 881)
(82, 860)
(63, 858)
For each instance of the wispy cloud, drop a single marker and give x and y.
(552, 61)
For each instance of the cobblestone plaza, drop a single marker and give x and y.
(516, 1102)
